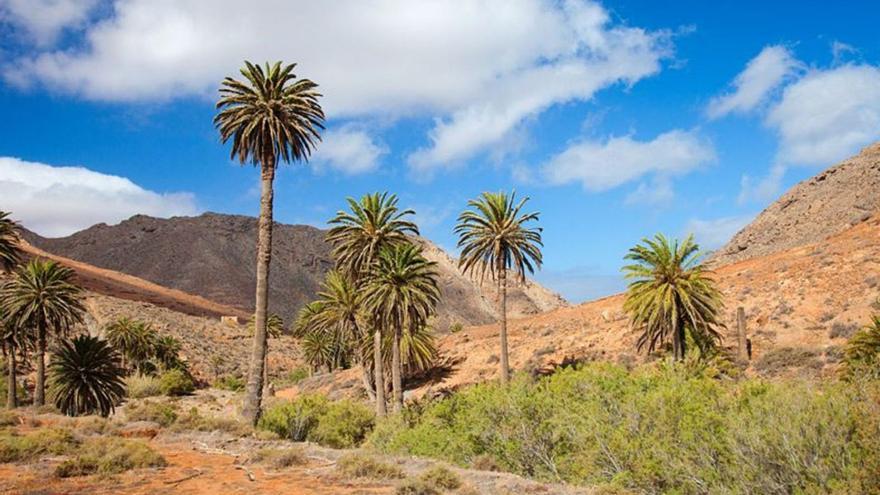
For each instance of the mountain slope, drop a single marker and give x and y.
(213, 255)
(829, 203)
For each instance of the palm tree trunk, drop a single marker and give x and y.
(396, 371)
(11, 398)
(266, 370)
(40, 392)
(502, 290)
(379, 374)
(678, 342)
(254, 389)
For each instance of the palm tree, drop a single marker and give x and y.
(494, 238)
(862, 352)
(134, 339)
(672, 296)
(271, 116)
(9, 239)
(43, 297)
(86, 377)
(274, 329)
(375, 222)
(402, 292)
(166, 351)
(13, 343)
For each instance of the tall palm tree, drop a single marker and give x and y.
(272, 115)
(134, 339)
(43, 297)
(672, 295)
(274, 329)
(402, 292)
(494, 238)
(9, 239)
(86, 377)
(375, 222)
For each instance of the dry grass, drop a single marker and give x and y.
(357, 465)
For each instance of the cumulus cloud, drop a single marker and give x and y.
(763, 74)
(714, 233)
(480, 68)
(43, 20)
(57, 201)
(602, 165)
(827, 115)
(348, 150)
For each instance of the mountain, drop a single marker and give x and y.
(213, 256)
(827, 204)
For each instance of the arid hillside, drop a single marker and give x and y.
(831, 202)
(213, 255)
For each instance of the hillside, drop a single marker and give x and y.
(213, 255)
(801, 305)
(829, 203)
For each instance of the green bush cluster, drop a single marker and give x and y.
(140, 386)
(658, 429)
(111, 455)
(176, 382)
(158, 412)
(16, 447)
(312, 417)
(230, 382)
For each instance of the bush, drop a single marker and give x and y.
(442, 477)
(416, 487)
(176, 382)
(778, 361)
(141, 386)
(279, 458)
(295, 376)
(33, 445)
(110, 455)
(658, 429)
(194, 421)
(231, 383)
(340, 424)
(157, 412)
(363, 466)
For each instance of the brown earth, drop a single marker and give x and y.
(213, 255)
(827, 204)
(801, 305)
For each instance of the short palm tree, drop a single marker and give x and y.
(9, 239)
(134, 339)
(672, 296)
(42, 297)
(86, 377)
(375, 222)
(862, 352)
(402, 292)
(340, 311)
(495, 238)
(272, 115)
(166, 352)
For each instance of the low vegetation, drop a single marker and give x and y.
(339, 424)
(659, 428)
(142, 386)
(110, 455)
(176, 382)
(358, 465)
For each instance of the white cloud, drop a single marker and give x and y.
(599, 166)
(479, 67)
(348, 150)
(714, 233)
(43, 20)
(827, 115)
(57, 201)
(762, 75)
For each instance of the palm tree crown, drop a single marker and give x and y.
(672, 295)
(494, 237)
(402, 289)
(86, 377)
(134, 339)
(274, 115)
(373, 223)
(9, 239)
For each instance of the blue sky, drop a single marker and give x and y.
(619, 119)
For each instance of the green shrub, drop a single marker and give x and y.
(176, 382)
(343, 425)
(33, 445)
(230, 382)
(141, 386)
(658, 429)
(110, 455)
(194, 421)
(364, 466)
(442, 477)
(295, 419)
(158, 412)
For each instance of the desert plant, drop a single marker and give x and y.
(86, 377)
(110, 455)
(375, 222)
(672, 296)
(862, 352)
(402, 293)
(140, 386)
(363, 466)
(176, 382)
(442, 477)
(337, 424)
(15, 447)
(155, 411)
(494, 238)
(229, 382)
(273, 115)
(43, 298)
(294, 420)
